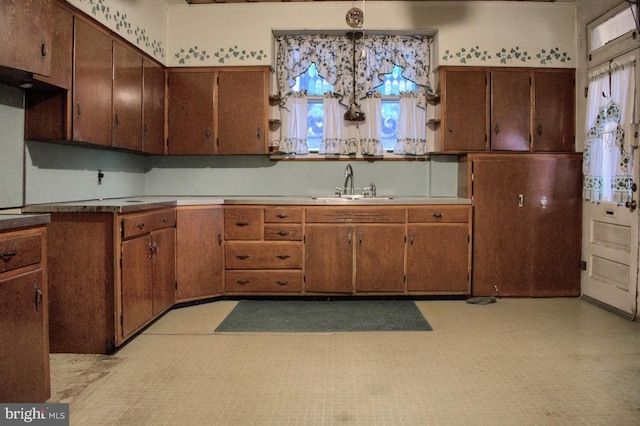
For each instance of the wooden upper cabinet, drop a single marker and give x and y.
(26, 35)
(153, 107)
(191, 115)
(61, 51)
(505, 109)
(510, 122)
(554, 110)
(127, 97)
(243, 96)
(92, 85)
(464, 109)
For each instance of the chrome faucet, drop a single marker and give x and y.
(348, 177)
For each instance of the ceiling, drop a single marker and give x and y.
(179, 2)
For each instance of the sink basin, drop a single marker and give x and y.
(350, 199)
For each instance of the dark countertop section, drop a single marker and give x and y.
(9, 222)
(135, 204)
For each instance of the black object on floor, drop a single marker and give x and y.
(324, 316)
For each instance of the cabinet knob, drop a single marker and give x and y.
(437, 215)
(282, 216)
(242, 282)
(497, 128)
(450, 128)
(258, 133)
(242, 256)
(282, 282)
(283, 256)
(539, 129)
(283, 233)
(207, 133)
(242, 224)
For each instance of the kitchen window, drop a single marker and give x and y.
(393, 84)
(342, 96)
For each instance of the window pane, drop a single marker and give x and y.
(612, 28)
(314, 120)
(394, 83)
(390, 113)
(312, 82)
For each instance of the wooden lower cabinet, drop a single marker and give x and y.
(199, 252)
(527, 224)
(24, 317)
(329, 258)
(110, 276)
(439, 250)
(263, 250)
(379, 264)
(355, 250)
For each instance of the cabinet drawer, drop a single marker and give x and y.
(243, 223)
(439, 214)
(263, 281)
(282, 215)
(137, 225)
(355, 214)
(20, 251)
(164, 219)
(263, 255)
(283, 232)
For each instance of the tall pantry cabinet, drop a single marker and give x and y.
(527, 224)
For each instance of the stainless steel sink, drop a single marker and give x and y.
(356, 198)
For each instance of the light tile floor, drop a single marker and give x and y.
(515, 362)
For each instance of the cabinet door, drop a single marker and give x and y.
(92, 85)
(242, 112)
(329, 258)
(127, 98)
(554, 111)
(502, 226)
(199, 252)
(26, 35)
(25, 350)
(153, 107)
(438, 258)
(136, 291)
(464, 113)
(191, 119)
(62, 48)
(164, 269)
(380, 258)
(510, 110)
(556, 202)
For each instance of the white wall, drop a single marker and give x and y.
(527, 32)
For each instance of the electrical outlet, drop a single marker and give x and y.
(100, 177)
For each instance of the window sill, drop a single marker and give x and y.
(314, 156)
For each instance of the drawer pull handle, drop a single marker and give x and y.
(282, 216)
(243, 223)
(140, 225)
(437, 215)
(219, 239)
(283, 256)
(242, 282)
(7, 256)
(283, 233)
(165, 219)
(282, 282)
(411, 237)
(242, 256)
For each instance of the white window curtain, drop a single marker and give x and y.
(333, 57)
(412, 124)
(336, 138)
(607, 159)
(371, 128)
(293, 139)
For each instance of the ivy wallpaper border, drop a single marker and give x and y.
(186, 55)
(507, 55)
(100, 9)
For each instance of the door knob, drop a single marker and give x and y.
(631, 205)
